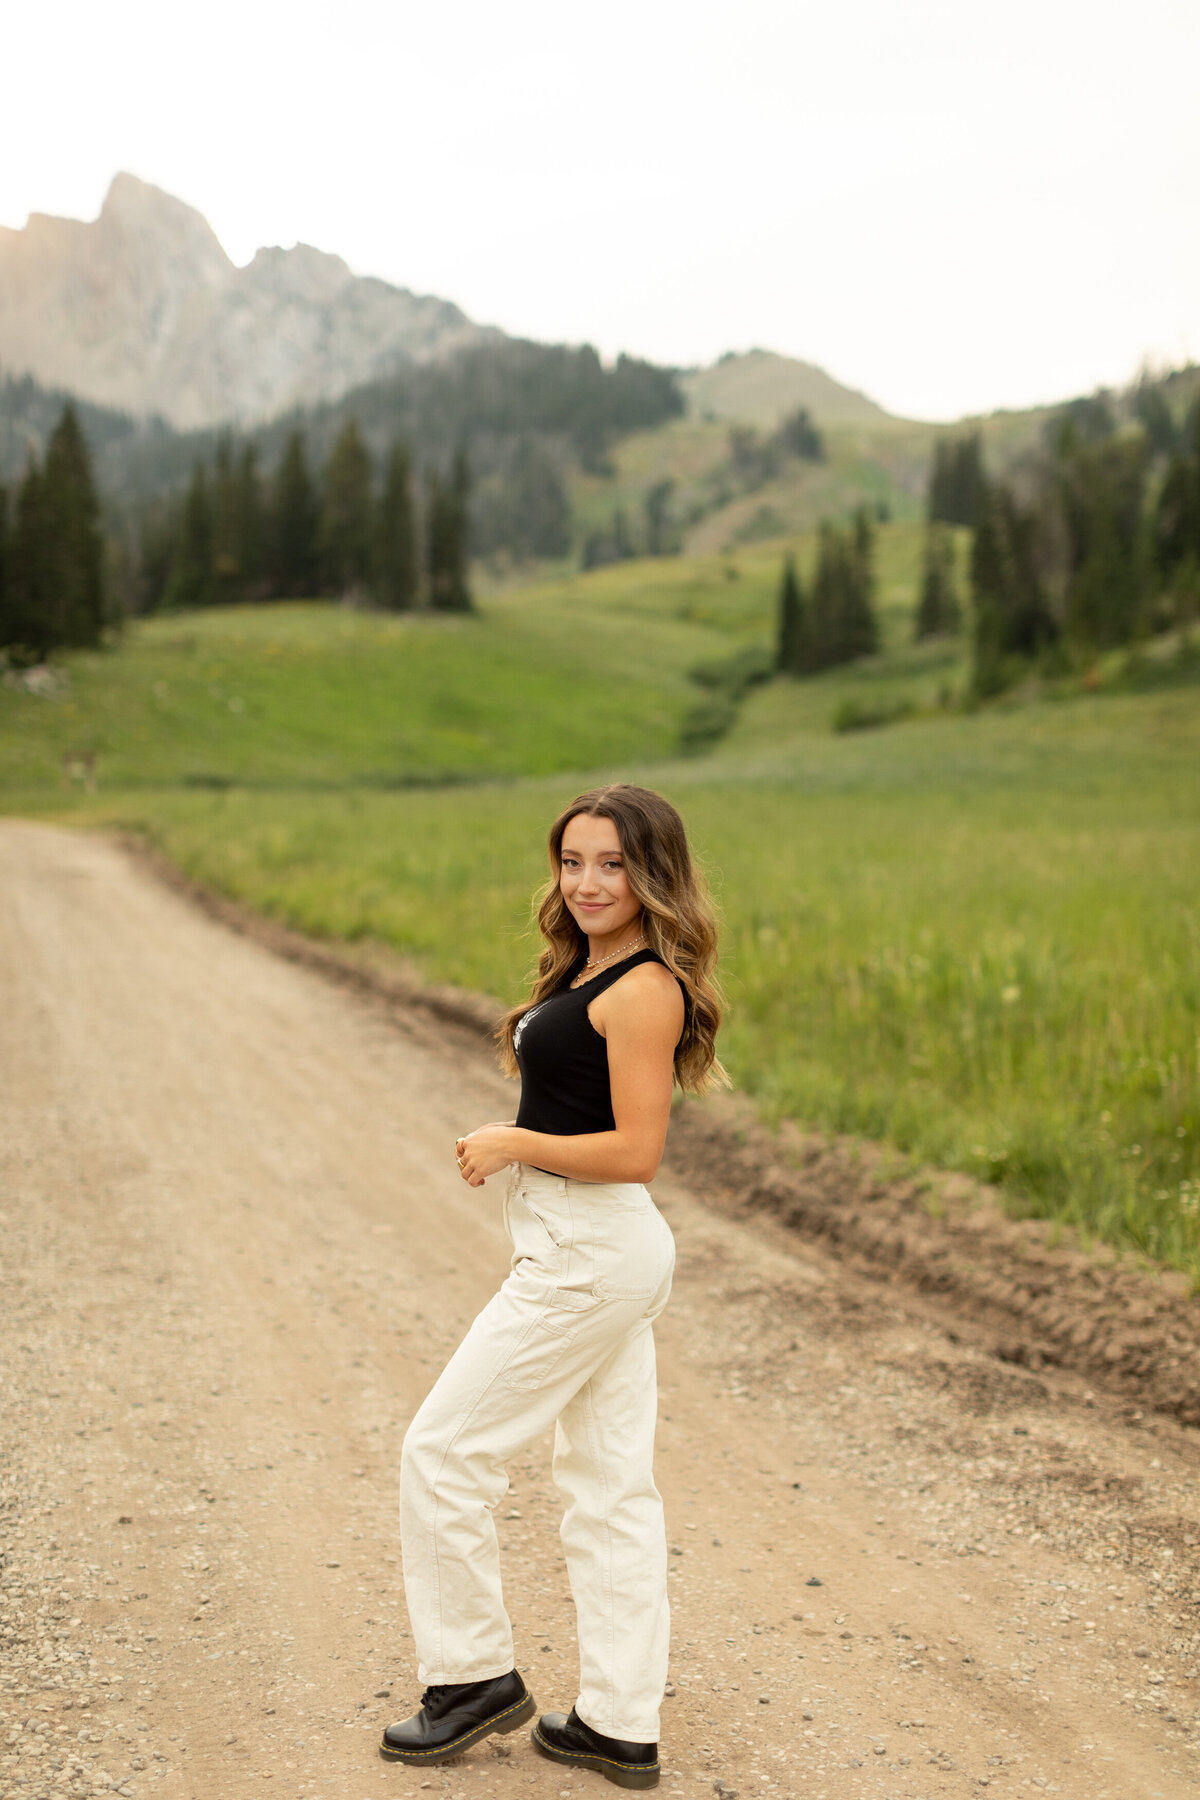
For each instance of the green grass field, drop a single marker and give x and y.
(577, 672)
(319, 696)
(974, 937)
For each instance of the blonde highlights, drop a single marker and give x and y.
(678, 923)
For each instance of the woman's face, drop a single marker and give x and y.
(593, 882)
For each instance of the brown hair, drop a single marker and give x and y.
(678, 922)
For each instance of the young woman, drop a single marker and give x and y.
(625, 1004)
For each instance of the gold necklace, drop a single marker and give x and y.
(611, 957)
(594, 962)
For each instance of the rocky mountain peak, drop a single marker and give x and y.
(138, 210)
(142, 309)
(302, 269)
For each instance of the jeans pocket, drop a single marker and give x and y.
(552, 1228)
(635, 1252)
(546, 1340)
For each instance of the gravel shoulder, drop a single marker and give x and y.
(234, 1251)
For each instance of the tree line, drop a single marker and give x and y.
(527, 413)
(1093, 545)
(1089, 543)
(495, 397)
(234, 535)
(347, 531)
(831, 618)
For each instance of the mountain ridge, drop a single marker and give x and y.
(141, 309)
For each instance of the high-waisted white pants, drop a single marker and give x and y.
(568, 1338)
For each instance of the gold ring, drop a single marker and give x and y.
(459, 1161)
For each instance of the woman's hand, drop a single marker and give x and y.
(484, 1152)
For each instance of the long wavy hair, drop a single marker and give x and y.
(678, 922)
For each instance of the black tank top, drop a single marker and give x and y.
(563, 1059)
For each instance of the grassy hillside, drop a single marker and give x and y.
(321, 696)
(870, 455)
(885, 465)
(880, 460)
(758, 387)
(582, 671)
(972, 936)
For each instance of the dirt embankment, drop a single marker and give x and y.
(1033, 1303)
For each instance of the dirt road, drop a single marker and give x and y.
(236, 1250)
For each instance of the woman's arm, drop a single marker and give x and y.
(641, 1018)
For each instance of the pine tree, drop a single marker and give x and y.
(293, 537)
(1012, 620)
(937, 500)
(1089, 419)
(1177, 517)
(798, 436)
(939, 612)
(345, 532)
(30, 629)
(250, 524)
(437, 545)
(4, 562)
(660, 535)
(446, 537)
(158, 528)
(55, 592)
(859, 630)
(460, 481)
(1103, 602)
(1100, 494)
(793, 649)
(74, 549)
(841, 617)
(534, 503)
(1150, 407)
(226, 560)
(825, 649)
(192, 576)
(396, 570)
(956, 480)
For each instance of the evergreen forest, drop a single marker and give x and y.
(1088, 543)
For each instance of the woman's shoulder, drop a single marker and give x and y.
(647, 982)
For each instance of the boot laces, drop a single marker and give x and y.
(432, 1693)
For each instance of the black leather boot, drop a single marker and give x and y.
(566, 1739)
(452, 1718)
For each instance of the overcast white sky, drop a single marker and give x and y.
(951, 205)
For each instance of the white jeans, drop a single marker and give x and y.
(569, 1337)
